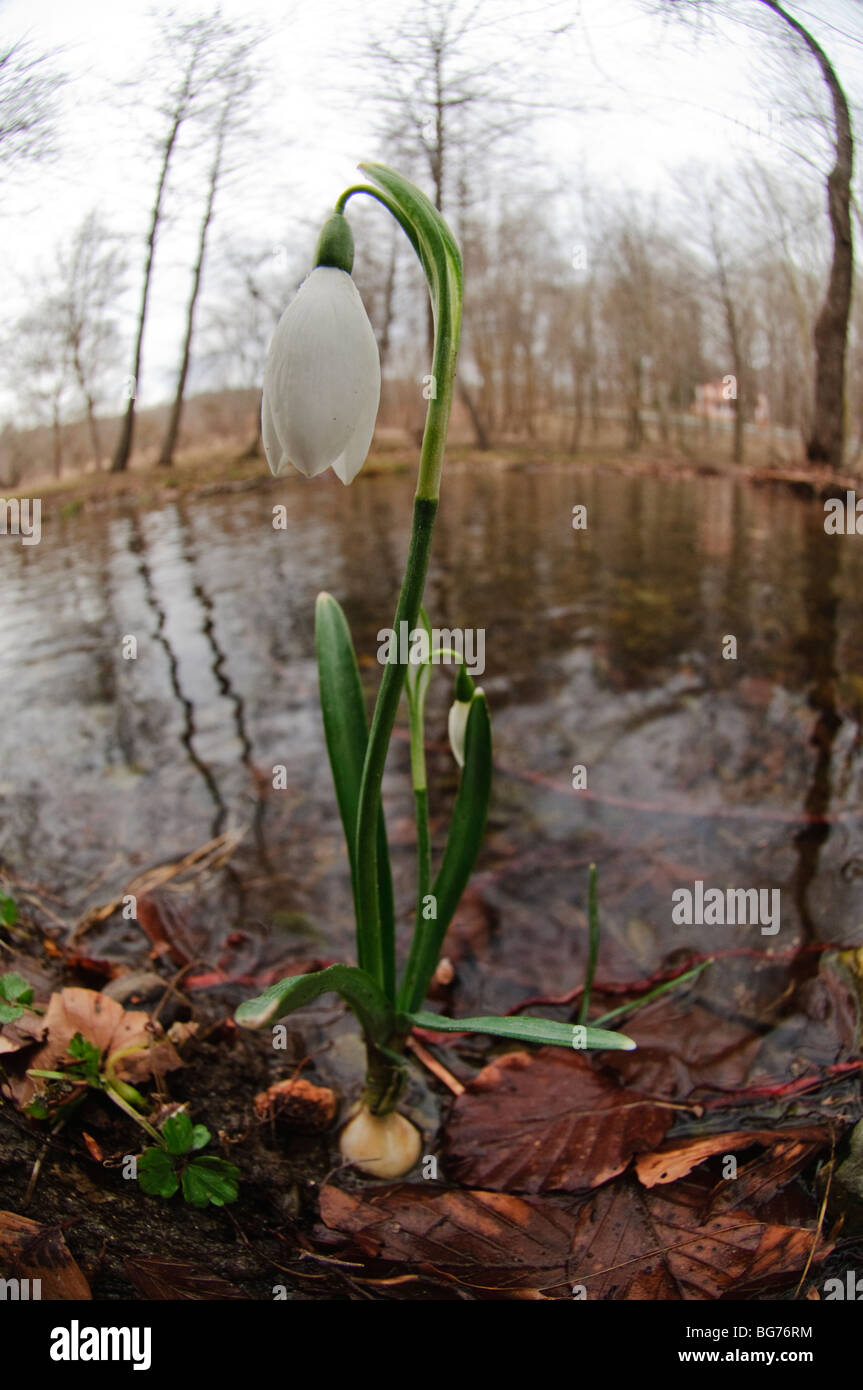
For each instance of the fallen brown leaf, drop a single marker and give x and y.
(172, 1279)
(31, 1251)
(620, 1243)
(681, 1047)
(488, 1240)
(548, 1122)
(675, 1161)
(759, 1180)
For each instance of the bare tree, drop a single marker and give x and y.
(42, 371)
(446, 109)
(716, 223)
(190, 46)
(234, 83)
(29, 85)
(90, 280)
(826, 437)
(787, 279)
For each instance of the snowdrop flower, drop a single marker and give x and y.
(458, 714)
(322, 382)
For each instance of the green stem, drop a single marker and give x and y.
(447, 325)
(593, 943)
(441, 264)
(421, 804)
(383, 719)
(421, 799)
(385, 1080)
(133, 1115)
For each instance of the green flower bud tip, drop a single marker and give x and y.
(464, 686)
(336, 244)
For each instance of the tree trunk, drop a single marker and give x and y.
(634, 422)
(735, 344)
(480, 433)
(95, 441)
(90, 405)
(56, 445)
(123, 450)
(169, 445)
(577, 407)
(826, 437)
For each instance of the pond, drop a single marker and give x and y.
(605, 647)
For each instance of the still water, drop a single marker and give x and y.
(604, 648)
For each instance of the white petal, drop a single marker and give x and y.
(457, 728)
(355, 453)
(323, 377)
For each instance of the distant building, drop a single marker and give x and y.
(716, 400)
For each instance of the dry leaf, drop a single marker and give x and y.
(548, 1122)
(31, 1251)
(172, 1279)
(675, 1161)
(620, 1243)
(759, 1181)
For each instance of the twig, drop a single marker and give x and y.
(822, 1213)
(37, 1166)
(435, 1067)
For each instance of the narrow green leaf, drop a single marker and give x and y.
(462, 847)
(386, 908)
(427, 231)
(648, 998)
(358, 990)
(534, 1030)
(346, 731)
(343, 709)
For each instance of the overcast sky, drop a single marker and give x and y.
(650, 100)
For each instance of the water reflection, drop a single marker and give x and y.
(604, 647)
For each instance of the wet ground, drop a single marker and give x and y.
(603, 649)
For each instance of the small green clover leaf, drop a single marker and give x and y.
(87, 1060)
(15, 993)
(205, 1181)
(8, 912)
(181, 1136)
(156, 1173)
(210, 1180)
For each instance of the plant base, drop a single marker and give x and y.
(385, 1146)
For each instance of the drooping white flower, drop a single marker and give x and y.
(459, 712)
(322, 382)
(457, 728)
